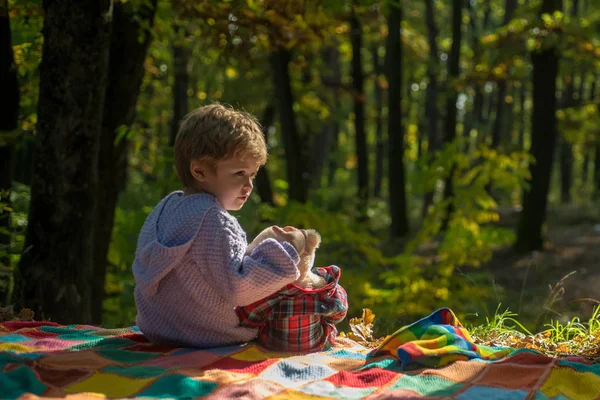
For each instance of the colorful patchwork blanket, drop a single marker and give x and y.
(47, 360)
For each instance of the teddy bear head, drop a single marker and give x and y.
(308, 279)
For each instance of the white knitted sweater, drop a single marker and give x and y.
(191, 271)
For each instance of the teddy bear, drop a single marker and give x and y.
(301, 316)
(307, 279)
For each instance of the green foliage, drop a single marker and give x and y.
(18, 208)
(577, 37)
(26, 19)
(468, 240)
(579, 125)
(473, 206)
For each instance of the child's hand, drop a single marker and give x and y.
(295, 237)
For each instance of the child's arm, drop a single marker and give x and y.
(245, 278)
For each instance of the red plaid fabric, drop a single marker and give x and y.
(296, 319)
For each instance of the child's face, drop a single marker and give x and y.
(231, 181)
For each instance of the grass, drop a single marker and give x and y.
(573, 338)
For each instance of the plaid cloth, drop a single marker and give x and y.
(296, 319)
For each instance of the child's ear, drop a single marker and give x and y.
(198, 170)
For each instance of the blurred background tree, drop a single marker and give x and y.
(447, 150)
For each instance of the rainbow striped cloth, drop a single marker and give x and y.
(434, 341)
(48, 360)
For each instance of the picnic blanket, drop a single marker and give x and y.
(43, 359)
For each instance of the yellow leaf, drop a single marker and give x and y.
(368, 316)
(563, 348)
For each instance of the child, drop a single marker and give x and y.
(190, 266)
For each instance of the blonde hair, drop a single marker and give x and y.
(215, 133)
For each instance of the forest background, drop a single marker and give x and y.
(448, 151)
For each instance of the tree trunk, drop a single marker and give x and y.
(56, 267)
(23, 159)
(9, 104)
(566, 170)
(360, 138)
(479, 96)
(332, 165)
(509, 117)
(566, 157)
(478, 100)
(592, 95)
(396, 180)
(522, 115)
(489, 106)
(379, 138)
(181, 83)
(125, 75)
(263, 183)
(431, 109)
(509, 8)
(297, 180)
(450, 126)
(497, 129)
(487, 14)
(597, 172)
(322, 150)
(333, 73)
(588, 152)
(565, 149)
(306, 74)
(585, 167)
(499, 118)
(543, 143)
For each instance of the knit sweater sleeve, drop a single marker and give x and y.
(244, 278)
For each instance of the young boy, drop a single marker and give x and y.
(190, 266)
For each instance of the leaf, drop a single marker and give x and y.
(26, 314)
(362, 329)
(563, 348)
(368, 316)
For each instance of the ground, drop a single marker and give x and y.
(561, 282)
